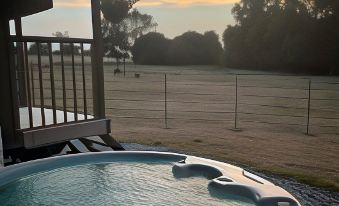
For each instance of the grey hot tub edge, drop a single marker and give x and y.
(223, 177)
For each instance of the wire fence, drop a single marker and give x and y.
(180, 97)
(236, 101)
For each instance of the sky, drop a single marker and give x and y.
(174, 17)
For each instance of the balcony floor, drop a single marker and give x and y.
(37, 120)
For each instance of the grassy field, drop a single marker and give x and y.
(272, 115)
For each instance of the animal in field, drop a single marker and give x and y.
(117, 71)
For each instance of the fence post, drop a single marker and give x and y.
(309, 107)
(166, 101)
(124, 66)
(236, 104)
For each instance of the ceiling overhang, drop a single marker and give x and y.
(21, 8)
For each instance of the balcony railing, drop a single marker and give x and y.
(53, 80)
(57, 91)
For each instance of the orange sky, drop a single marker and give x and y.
(183, 2)
(86, 3)
(174, 17)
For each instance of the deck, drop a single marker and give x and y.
(64, 130)
(33, 83)
(37, 120)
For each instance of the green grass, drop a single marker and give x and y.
(306, 179)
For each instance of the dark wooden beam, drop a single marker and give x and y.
(88, 144)
(98, 73)
(21, 8)
(111, 142)
(20, 65)
(7, 113)
(97, 62)
(44, 39)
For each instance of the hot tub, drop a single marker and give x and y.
(135, 178)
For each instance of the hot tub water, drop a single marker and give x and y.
(117, 183)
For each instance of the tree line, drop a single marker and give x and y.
(190, 48)
(127, 32)
(67, 47)
(299, 36)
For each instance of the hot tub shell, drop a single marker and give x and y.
(224, 177)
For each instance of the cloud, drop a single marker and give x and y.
(147, 3)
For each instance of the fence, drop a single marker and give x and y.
(170, 98)
(309, 105)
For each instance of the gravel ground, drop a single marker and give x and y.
(307, 195)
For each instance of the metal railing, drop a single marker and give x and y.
(39, 79)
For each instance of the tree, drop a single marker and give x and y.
(195, 48)
(213, 47)
(116, 41)
(280, 35)
(115, 10)
(139, 24)
(114, 29)
(33, 49)
(120, 27)
(61, 35)
(67, 48)
(187, 49)
(150, 49)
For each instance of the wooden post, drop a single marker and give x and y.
(8, 104)
(41, 87)
(51, 73)
(1, 151)
(29, 97)
(97, 62)
(75, 99)
(14, 88)
(32, 82)
(98, 73)
(83, 80)
(20, 65)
